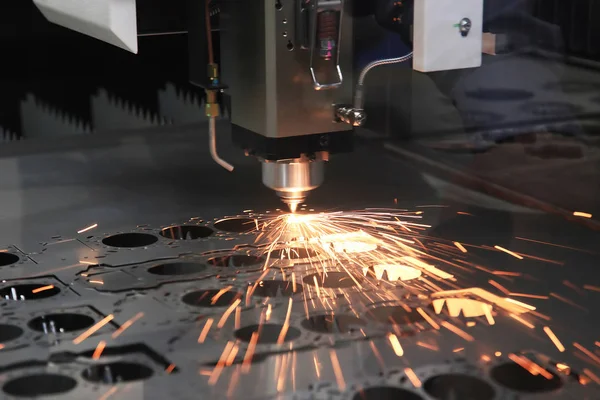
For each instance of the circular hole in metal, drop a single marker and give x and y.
(276, 288)
(267, 333)
(499, 94)
(130, 240)
(332, 280)
(458, 386)
(236, 225)
(177, 268)
(61, 322)
(395, 315)
(236, 261)
(211, 298)
(517, 378)
(29, 291)
(290, 45)
(119, 371)
(39, 385)
(186, 232)
(8, 258)
(292, 253)
(9, 332)
(330, 323)
(385, 393)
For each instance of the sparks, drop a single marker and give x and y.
(42, 289)
(515, 255)
(99, 350)
(89, 228)
(582, 214)
(93, 329)
(412, 377)
(396, 345)
(554, 339)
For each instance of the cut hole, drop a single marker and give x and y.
(290, 45)
(515, 377)
(278, 5)
(61, 323)
(332, 280)
(130, 240)
(211, 298)
(177, 268)
(28, 292)
(395, 315)
(39, 385)
(285, 34)
(9, 332)
(236, 225)
(499, 94)
(116, 372)
(458, 386)
(236, 261)
(329, 323)
(8, 258)
(386, 393)
(292, 253)
(267, 333)
(276, 288)
(186, 232)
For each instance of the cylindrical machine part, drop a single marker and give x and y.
(292, 180)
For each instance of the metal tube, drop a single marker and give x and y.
(212, 144)
(359, 99)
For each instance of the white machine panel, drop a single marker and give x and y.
(439, 44)
(112, 21)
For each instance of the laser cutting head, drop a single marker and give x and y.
(294, 179)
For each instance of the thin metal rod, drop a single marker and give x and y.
(212, 139)
(359, 100)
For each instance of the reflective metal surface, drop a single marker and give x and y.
(293, 180)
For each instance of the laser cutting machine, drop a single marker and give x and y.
(286, 68)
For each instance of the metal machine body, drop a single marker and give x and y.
(287, 63)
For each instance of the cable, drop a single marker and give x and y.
(212, 138)
(359, 95)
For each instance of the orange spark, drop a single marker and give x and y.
(43, 288)
(458, 350)
(591, 375)
(460, 247)
(592, 288)
(286, 324)
(530, 366)
(205, 330)
(88, 228)
(99, 350)
(227, 313)
(93, 329)
(170, 369)
(508, 252)
(220, 293)
(428, 318)
(396, 345)
(2, 346)
(498, 354)
(531, 296)
(582, 214)
(464, 213)
(96, 282)
(214, 377)
(410, 374)
(588, 353)
(126, 325)
(109, 393)
(499, 287)
(486, 358)
(428, 346)
(339, 377)
(317, 371)
(521, 320)
(471, 324)
(458, 331)
(554, 339)
(231, 356)
(247, 363)
(506, 273)
(567, 301)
